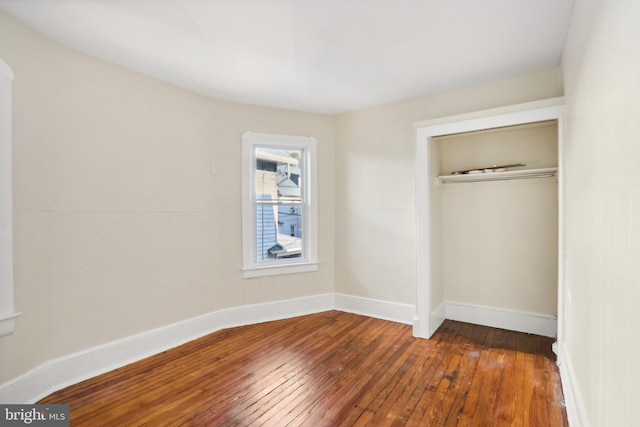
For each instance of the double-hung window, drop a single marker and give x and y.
(279, 204)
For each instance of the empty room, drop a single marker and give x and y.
(337, 213)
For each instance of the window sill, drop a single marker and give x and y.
(279, 269)
(7, 323)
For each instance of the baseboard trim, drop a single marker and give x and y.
(70, 369)
(438, 316)
(576, 410)
(379, 309)
(521, 321)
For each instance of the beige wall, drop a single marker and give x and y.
(127, 208)
(601, 74)
(375, 182)
(534, 145)
(500, 239)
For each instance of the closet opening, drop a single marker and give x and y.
(489, 200)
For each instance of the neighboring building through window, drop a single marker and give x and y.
(279, 204)
(277, 197)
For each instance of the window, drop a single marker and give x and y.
(7, 315)
(279, 208)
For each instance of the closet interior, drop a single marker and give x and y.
(495, 218)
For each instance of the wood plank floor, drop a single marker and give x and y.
(331, 369)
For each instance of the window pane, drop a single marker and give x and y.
(278, 174)
(279, 198)
(276, 224)
(278, 194)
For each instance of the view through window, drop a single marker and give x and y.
(279, 203)
(279, 209)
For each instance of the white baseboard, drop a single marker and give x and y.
(521, 321)
(576, 410)
(379, 309)
(67, 370)
(437, 317)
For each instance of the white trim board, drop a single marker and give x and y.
(7, 314)
(513, 320)
(436, 319)
(576, 409)
(70, 369)
(385, 310)
(427, 271)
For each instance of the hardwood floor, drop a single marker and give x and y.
(332, 369)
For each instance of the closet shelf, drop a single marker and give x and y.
(499, 176)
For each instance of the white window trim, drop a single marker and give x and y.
(7, 314)
(250, 267)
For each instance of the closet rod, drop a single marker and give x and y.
(499, 176)
(504, 178)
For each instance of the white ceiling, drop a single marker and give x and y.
(325, 56)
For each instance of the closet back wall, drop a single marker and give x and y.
(500, 239)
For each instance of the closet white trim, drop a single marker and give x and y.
(495, 317)
(427, 305)
(7, 314)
